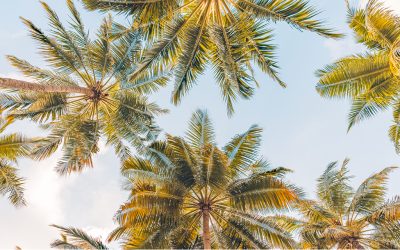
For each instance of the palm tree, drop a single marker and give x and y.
(371, 79)
(74, 238)
(188, 193)
(348, 219)
(86, 94)
(12, 146)
(230, 35)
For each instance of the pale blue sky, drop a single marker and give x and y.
(302, 131)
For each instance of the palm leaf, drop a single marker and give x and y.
(76, 238)
(242, 150)
(334, 188)
(388, 212)
(351, 76)
(261, 193)
(200, 130)
(193, 60)
(362, 109)
(370, 194)
(295, 12)
(13, 146)
(11, 185)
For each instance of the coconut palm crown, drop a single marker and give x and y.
(371, 79)
(188, 193)
(229, 35)
(85, 94)
(350, 219)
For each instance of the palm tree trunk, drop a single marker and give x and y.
(206, 229)
(350, 243)
(356, 245)
(23, 85)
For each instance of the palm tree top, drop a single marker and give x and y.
(186, 192)
(369, 79)
(85, 94)
(228, 35)
(348, 218)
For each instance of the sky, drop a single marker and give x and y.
(302, 131)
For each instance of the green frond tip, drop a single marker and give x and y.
(74, 238)
(370, 80)
(363, 109)
(11, 185)
(201, 131)
(341, 212)
(295, 12)
(243, 149)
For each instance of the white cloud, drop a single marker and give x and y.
(45, 206)
(87, 200)
(15, 35)
(43, 189)
(99, 233)
(341, 48)
(14, 76)
(393, 4)
(103, 147)
(347, 46)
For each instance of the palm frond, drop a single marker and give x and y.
(351, 76)
(144, 11)
(362, 109)
(334, 187)
(54, 54)
(193, 60)
(295, 12)
(11, 185)
(41, 76)
(212, 167)
(261, 193)
(370, 194)
(388, 212)
(43, 107)
(370, 80)
(66, 40)
(187, 36)
(356, 20)
(200, 131)
(381, 23)
(13, 146)
(242, 150)
(78, 148)
(316, 213)
(77, 239)
(229, 63)
(164, 51)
